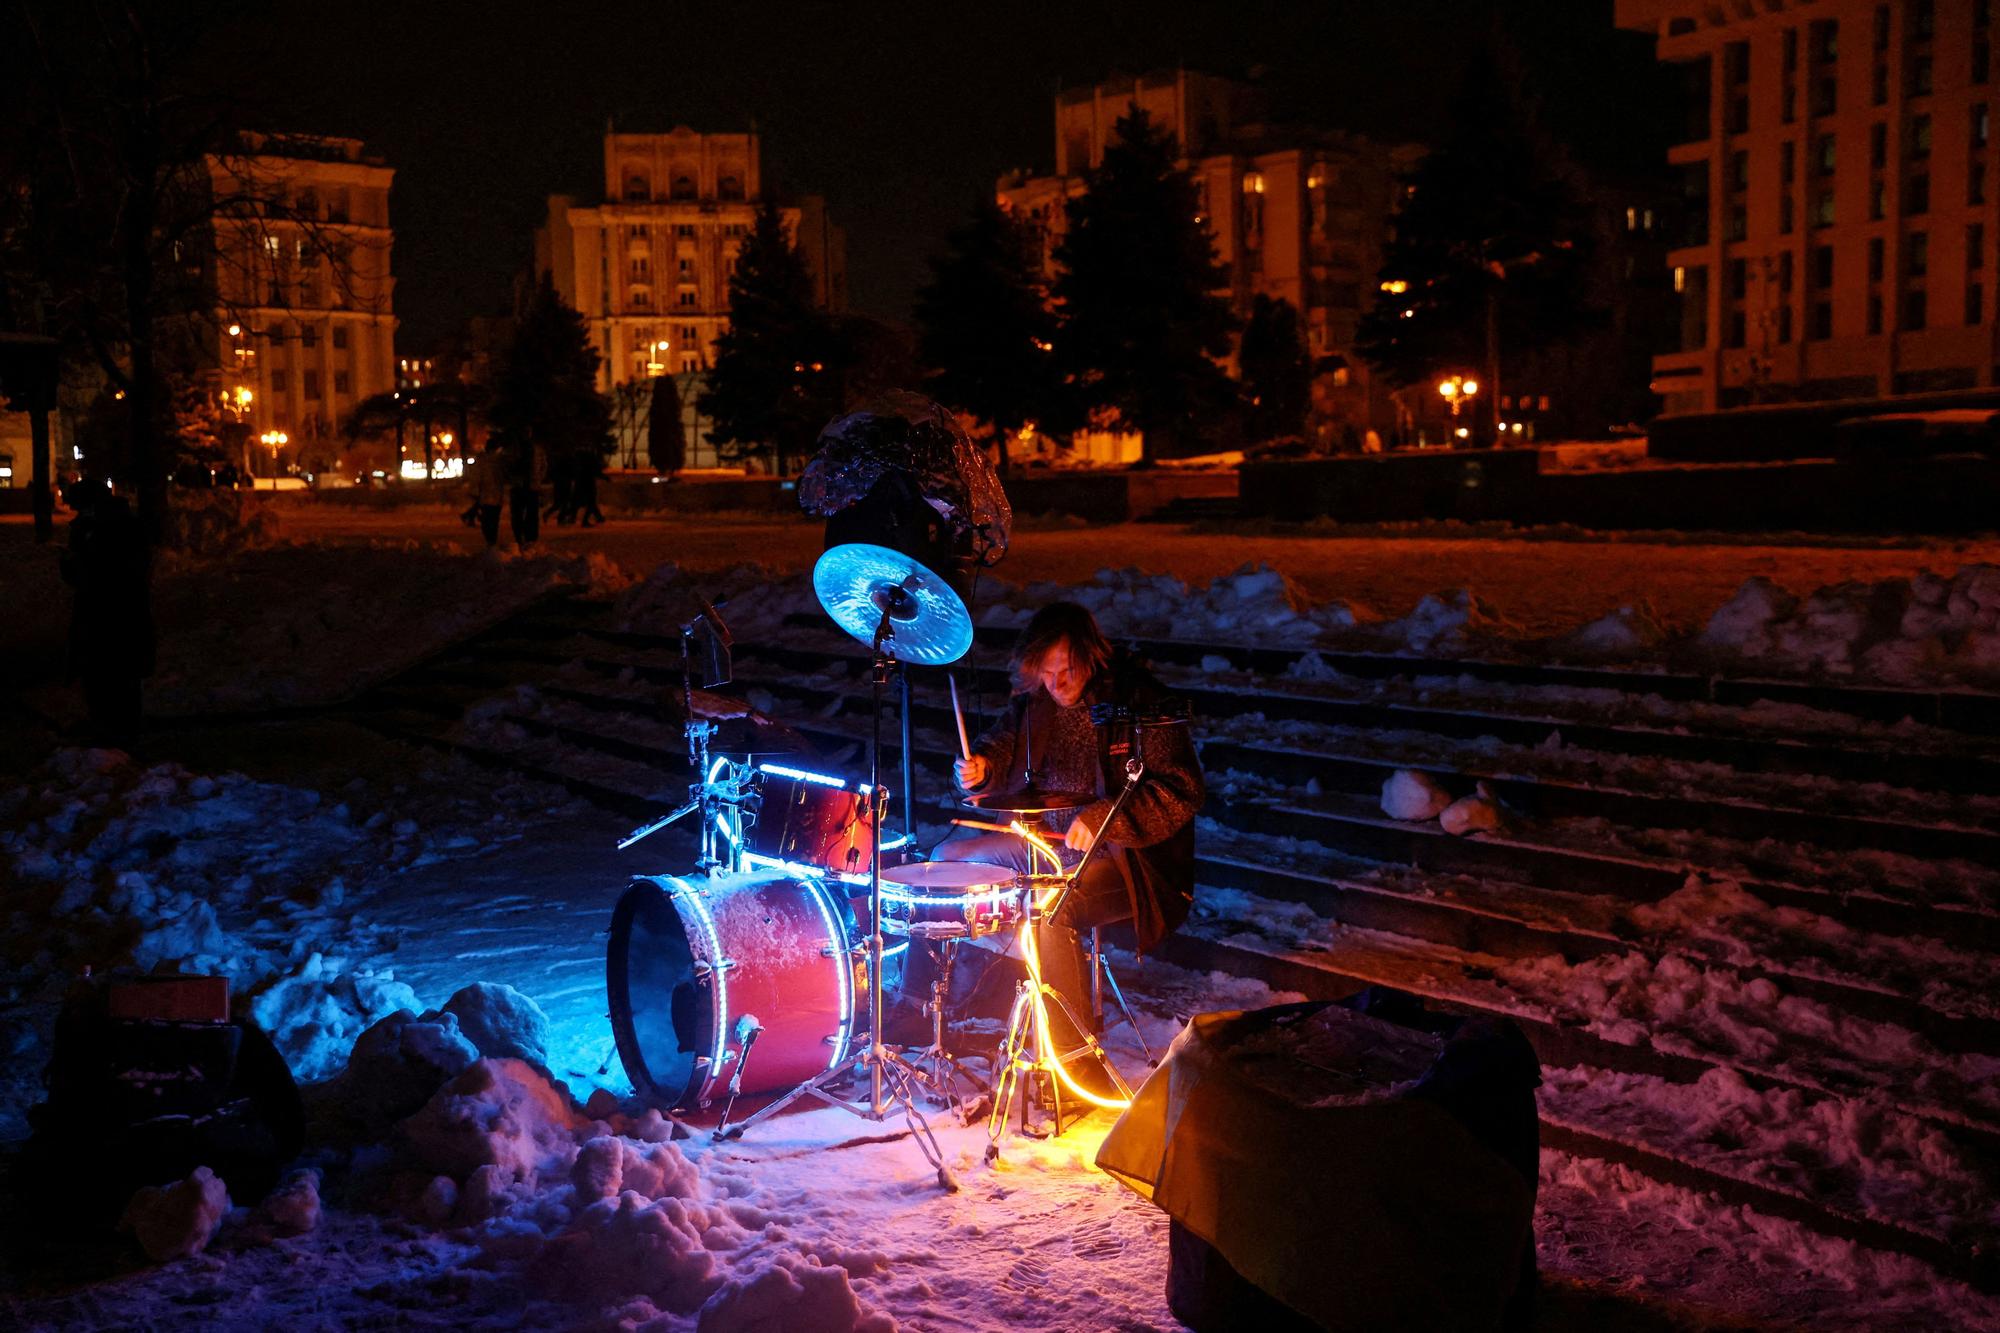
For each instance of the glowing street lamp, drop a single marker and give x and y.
(1458, 391)
(274, 440)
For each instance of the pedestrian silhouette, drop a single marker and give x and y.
(111, 642)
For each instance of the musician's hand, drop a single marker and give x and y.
(971, 772)
(1078, 838)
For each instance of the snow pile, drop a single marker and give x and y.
(1629, 631)
(178, 1220)
(1255, 604)
(1900, 631)
(1447, 622)
(605, 1211)
(111, 866)
(1411, 795)
(293, 1208)
(291, 626)
(1478, 813)
(501, 1022)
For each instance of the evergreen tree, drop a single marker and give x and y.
(986, 332)
(666, 433)
(1141, 324)
(546, 390)
(777, 374)
(1488, 248)
(1277, 372)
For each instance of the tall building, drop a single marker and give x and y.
(305, 297)
(1297, 212)
(1837, 168)
(649, 267)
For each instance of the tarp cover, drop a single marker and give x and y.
(1286, 1138)
(906, 432)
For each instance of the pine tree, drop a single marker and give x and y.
(546, 391)
(666, 433)
(777, 374)
(986, 332)
(1488, 249)
(1141, 323)
(1277, 372)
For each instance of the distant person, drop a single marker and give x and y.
(589, 472)
(111, 643)
(489, 493)
(562, 484)
(527, 466)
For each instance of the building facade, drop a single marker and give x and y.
(649, 267)
(1296, 212)
(1839, 213)
(305, 320)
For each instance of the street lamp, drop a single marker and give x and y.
(1458, 391)
(274, 440)
(656, 363)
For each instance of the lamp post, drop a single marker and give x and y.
(1459, 392)
(274, 440)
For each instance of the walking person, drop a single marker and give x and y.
(528, 465)
(111, 641)
(589, 472)
(489, 492)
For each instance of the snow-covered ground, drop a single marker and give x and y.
(478, 1159)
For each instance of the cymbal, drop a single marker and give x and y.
(1030, 802)
(739, 728)
(857, 583)
(958, 876)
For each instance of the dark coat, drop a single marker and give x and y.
(111, 621)
(1152, 839)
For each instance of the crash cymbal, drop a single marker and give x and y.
(1030, 802)
(858, 583)
(739, 728)
(956, 876)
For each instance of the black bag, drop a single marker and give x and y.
(144, 1101)
(1484, 1077)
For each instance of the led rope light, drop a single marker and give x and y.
(1032, 957)
(716, 968)
(821, 779)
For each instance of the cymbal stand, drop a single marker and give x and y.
(892, 1079)
(1028, 1059)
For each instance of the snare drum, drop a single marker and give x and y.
(980, 899)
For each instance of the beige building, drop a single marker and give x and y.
(1840, 211)
(1297, 213)
(304, 288)
(649, 267)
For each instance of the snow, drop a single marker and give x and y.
(483, 1160)
(1478, 813)
(1915, 631)
(1414, 796)
(177, 1220)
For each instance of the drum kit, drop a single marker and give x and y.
(765, 970)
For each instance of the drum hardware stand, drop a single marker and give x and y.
(1100, 975)
(891, 1078)
(1021, 1053)
(939, 1069)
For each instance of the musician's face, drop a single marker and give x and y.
(1061, 678)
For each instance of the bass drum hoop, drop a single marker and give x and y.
(647, 891)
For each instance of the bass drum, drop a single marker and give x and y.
(692, 959)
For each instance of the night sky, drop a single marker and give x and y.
(901, 115)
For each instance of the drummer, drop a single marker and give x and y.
(1144, 872)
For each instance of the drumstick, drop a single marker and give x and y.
(964, 745)
(983, 826)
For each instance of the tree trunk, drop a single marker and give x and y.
(1492, 385)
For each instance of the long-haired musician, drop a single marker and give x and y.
(1045, 741)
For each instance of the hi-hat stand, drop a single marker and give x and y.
(891, 1078)
(1028, 1060)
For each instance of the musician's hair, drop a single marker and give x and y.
(1066, 623)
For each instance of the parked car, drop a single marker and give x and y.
(1895, 436)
